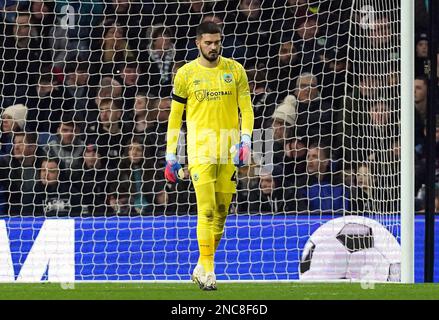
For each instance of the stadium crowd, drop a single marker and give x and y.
(85, 98)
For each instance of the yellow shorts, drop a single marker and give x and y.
(222, 175)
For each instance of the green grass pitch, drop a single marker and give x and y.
(226, 291)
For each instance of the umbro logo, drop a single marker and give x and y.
(196, 82)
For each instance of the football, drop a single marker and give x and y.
(354, 248)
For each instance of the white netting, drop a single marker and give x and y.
(89, 83)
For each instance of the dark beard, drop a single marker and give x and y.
(209, 58)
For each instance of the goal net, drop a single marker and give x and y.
(85, 92)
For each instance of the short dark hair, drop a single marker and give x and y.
(68, 117)
(22, 12)
(119, 190)
(127, 65)
(29, 137)
(50, 159)
(47, 78)
(81, 66)
(160, 32)
(321, 146)
(422, 78)
(208, 27)
(114, 102)
(69, 123)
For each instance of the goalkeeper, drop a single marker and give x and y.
(213, 90)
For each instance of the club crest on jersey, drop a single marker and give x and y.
(227, 77)
(200, 95)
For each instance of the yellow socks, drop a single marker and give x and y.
(219, 219)
(212, 212)
(206, 242)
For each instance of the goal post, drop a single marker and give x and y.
(407, 135)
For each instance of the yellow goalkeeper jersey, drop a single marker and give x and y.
(213, 98)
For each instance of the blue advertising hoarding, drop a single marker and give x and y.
(254, 247)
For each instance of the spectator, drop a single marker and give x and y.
(180, 198)
(46, 105)
(145, 113)
(323, 193)
(55, 197)
(294, 163)
(186, 16)
(248, 188)
(380, 38)
(368, 89)
(133, 82)
(284, 119)
(155, 139)
(314, 117)
(72, 30)
(385, 164)
(67, 147)
(13, 120)
(108, 88)
(9, 10)
(263, 98)
(421, 86)
(421, 53)
(376, 134)
(134, 15)
(110, 48)
(19, 173)
(92, 181)
(378, 35)
(136, 169)
(349, 176)
(421, 15)
(334, 74)
(109, 132)
(250, 23)
(159, 60)
(78, 84)
(357, 104)
(41, 11)
(362, 193)
(20, 59)
(333, 79)
(273, 197)
(284, 68)
(308, 45)
(151, 120)
(43, 18)
(120, 201)
(232, 47)
(286, 17)
(378, 138)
